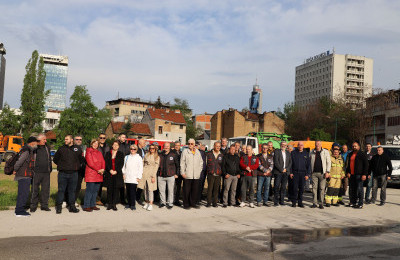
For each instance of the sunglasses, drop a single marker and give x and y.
(78, 139)
(102, 138)
(152, 148)
(191, 143)
(133, 149)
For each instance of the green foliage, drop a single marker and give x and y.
(126, 128)
(33, 96)
(183, 106)
(158, 104)
(82, 117)
(320, 134)
(9, 122)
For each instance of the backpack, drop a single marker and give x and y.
(10, 163)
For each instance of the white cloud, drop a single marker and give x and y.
(205, 51)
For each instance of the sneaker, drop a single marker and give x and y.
(169, 207)
(242, 204)
(358, 206)
(259, 204)
(161, 206)
(146, 205)
(22, 214)
(252, 205)
(149, 207)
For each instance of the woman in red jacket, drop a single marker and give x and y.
(95, 166)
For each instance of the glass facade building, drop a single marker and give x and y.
(56, 68)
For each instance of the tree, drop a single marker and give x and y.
(320, 134)
(183, 106)
(9, 121)
(126, 128)
(82, 117)
(158, 104)
(33, 96)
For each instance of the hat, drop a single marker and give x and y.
(32, 139)
(335, 144)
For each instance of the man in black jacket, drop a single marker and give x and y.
(381, 167)
(179, 179)
(23, 171)
(68, 159)
(231, 173)
(41, 178)
(167, 173)
(81, 172)
(300, 172)
(282, 166)
(357, 172)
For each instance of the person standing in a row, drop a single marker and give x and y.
(214, 172)
(300, 172)
(191, 167)
(148, 181)
(68, 159)
(320, 168)
(23, 171)
(266, 158)
(231, 172)
(357, 172)
(167, 174)
(178, 180)
(249, 164)
(124, 148)
(104, 149)
(95, 166)
(336, 176)
(282, 166)
(113, 179)
(132, 172)
(43, 167)
(381, 168)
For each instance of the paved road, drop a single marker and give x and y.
(232, 233)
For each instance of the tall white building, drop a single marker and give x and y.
(335, 76)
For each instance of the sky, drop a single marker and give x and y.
(207, 52)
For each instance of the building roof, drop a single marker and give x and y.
(135, 101)
(136, 128)
(170, 115)
(51, 135)
(250, 116)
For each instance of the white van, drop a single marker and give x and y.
(393, 151)
(247, 140)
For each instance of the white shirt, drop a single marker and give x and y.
(284, 158)
(133, 168)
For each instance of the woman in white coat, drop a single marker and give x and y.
(132, 172)
(148, 182)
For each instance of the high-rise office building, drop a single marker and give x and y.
(338, 77)
(56, 68)
(2, 73)
(255, 102)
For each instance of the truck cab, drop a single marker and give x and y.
(247, 140)
(10, 144)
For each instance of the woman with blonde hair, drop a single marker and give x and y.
(148, 183)
(132, 171)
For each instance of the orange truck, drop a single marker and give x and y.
(9, 145)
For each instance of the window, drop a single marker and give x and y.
(116, 111)
(160, 129)
(180, 139)
(181, 127)
(393, 121)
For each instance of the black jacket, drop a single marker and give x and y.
(104, 149)
(178, 154)
(231, 165)
(278, 162)
(124, 148)
(214, 165)
(361, 163)
(68, 158)
(114, 181)
(171, 162)
(43, 162)
(25, 163)
(301, 162)
(381, 165)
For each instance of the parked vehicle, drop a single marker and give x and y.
(310, 145)
(9, 145)
(256, 139)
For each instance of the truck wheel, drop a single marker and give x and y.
(7, 156)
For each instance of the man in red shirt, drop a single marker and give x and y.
(357, 172)
(249, 164)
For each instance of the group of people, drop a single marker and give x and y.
(234, 174)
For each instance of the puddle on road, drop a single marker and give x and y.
(297, 236)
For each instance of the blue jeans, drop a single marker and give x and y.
(263, 180)
(92, 188)
(23, 194)
(66, 180)
(369, 187)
